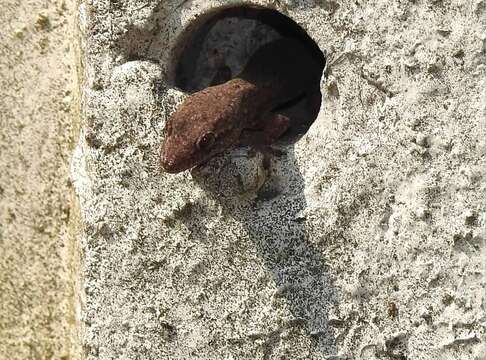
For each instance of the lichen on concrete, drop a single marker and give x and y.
(366, 240)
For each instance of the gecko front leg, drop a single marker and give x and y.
(273, 126)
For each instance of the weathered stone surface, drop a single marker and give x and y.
(37, 115)
(367, 240)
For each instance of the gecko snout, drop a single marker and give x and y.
(169, 165)
(173, 163)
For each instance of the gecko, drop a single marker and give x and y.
(243, 110)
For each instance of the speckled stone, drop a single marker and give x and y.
(361, 215)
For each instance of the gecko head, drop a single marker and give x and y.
(203, 126)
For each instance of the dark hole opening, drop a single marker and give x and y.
(226, 39)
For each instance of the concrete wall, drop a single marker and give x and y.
(366, 241)
(37, 115)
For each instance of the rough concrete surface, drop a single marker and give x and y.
(36, 123)
(367, 240)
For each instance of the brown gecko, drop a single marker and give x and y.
(242, 110)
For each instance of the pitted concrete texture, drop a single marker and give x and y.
(367, 240)
(37, 114)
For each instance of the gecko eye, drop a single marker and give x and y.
(205, 141)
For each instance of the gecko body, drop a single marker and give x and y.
(243, 110)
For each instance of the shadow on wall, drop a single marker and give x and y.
(276, 225)
(279, 233)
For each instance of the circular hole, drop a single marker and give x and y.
(217, 46)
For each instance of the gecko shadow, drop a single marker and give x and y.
(277, 228)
